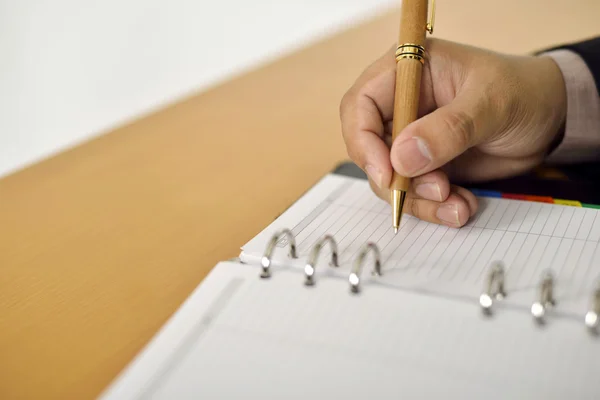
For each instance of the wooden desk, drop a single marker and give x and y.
(100, 245)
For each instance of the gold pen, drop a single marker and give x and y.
(410, 57)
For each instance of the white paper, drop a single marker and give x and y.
(239, 336)
(527, 237)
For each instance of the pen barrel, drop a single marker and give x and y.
(409, 68)
(406, 106)
(413, 22)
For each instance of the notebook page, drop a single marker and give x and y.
(527, 237)
(277, 338)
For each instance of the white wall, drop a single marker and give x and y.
(71, 69)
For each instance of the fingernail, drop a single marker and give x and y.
(429, 191)
(374, 174)
(448, 213)
(413, 155)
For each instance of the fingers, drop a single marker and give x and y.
(431, 198)
(432, 186)
(363, 112)
(439, 137)
(454, 212)
(468, 196)
(371, 154)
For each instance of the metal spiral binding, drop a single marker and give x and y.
(494, 288)
(354, 277)
(592, 316)
(309, 269)
(266, 259)
(546, 297)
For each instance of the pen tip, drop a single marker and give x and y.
(398, 197)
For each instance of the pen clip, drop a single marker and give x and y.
(429, 26)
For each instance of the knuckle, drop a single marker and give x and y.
(461, 127)
(347, 100)
(413, 206)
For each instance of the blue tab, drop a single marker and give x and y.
(486, 193)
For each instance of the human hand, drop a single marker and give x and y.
(482, 116)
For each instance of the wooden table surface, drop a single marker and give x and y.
(100, 244)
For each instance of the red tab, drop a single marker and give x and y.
(540, 199)
(514, 196)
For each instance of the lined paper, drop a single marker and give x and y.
(528, 237)
(280, 339)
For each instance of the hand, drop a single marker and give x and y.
(482, 116)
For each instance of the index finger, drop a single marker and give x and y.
(364, 110)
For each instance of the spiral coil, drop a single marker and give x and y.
(354, 277)
(494, 288)
(309, 269)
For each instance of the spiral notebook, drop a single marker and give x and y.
(326, 302)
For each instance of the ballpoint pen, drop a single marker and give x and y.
(410, 58)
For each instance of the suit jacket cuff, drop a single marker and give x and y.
(581, 141)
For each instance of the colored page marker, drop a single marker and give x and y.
(513, 196)
(587, 205)
(486, 193)
(540, 199)
(573, 203)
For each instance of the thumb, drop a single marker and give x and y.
(435, 139)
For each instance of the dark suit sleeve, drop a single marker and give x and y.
(589, 51)
(579, 64)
